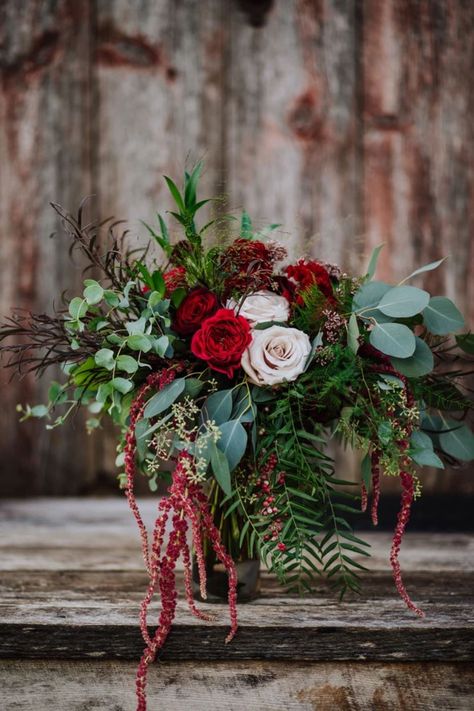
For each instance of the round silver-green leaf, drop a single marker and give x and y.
(441, 316)
(420, 363)
(403, 301)
(393, 339)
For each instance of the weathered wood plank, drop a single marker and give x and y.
(236, 686)
(73, 581)
(45, 144)
(101, 534)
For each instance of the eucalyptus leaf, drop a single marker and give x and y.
(139, 343)
(140, 436)
(161, 345)
(193, 386)
(243, 406)
(105, 358)
(421, 270)
(353, 333)
(233, 442)
(403, 301)
(162, 400)
(263, 394)
(103, 392)
(127, 363)
(123, 385)
(317, 342)
(136, 327)
(77, 307)
(372, 266)
(220, 468)
(458, 441)
(93, 293)
(441, 316)
(420, 440)
(218, 407)
(420, 363)
(393, 339)
(366, 471)
(369, 295)
(111, 298)
(426, 458)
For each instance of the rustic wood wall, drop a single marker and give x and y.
(349, 121)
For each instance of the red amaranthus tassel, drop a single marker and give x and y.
(186, 502)
(403, 516)
(408, 491)
(375, 457)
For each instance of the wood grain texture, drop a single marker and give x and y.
(348, 122)
(69, 637)
(45, 144)
(238, 686)
(72, 580)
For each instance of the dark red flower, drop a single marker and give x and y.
(174, 279)
(306, 273)
(221, 340)
(250, 263)
(197, 306)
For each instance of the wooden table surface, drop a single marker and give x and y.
(72, 579)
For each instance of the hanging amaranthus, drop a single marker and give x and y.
(186, 502)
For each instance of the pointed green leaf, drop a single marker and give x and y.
(372, 266)
(220, 467)
(426, 268)
(162, 400)
(353, 333)
(458, 441)
(176, 194)
(233, 442)
(218, 407)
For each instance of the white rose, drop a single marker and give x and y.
(262, 306)
(276, 354)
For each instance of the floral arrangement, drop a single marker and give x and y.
(238, 368)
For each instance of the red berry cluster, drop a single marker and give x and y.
(266, 483)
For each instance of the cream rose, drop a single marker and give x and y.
(262, 306)
(276, 354)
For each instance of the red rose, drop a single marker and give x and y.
(221, 340)
(306, 273)
(195, 307)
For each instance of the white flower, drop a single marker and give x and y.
(262, 306)
(276, 354)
